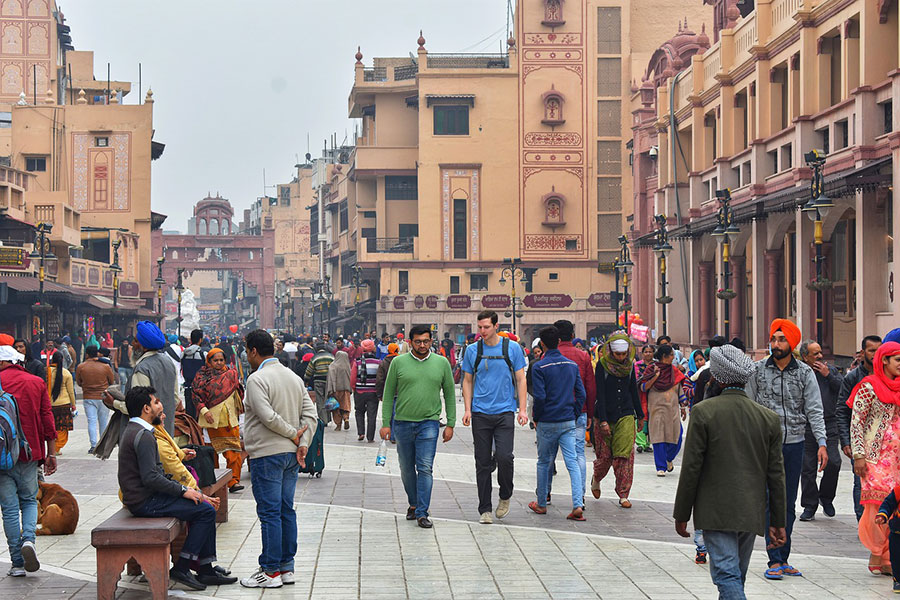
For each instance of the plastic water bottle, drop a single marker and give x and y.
(381, 459)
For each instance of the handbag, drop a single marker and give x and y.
(331, 404)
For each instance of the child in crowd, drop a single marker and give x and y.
(889, 515)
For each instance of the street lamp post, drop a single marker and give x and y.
(817, 209)
(302, 314)
(623, 266)
(160, 282)
(43, 253)
(179, 288)
(727, 232)
(116, 269)
(662, 248)
(512, 269)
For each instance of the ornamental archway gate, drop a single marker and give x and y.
(252, 256)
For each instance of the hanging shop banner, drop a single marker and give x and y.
(495, 301)
(459, 301)
(547, 300)
(600, 300)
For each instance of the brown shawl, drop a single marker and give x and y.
(668, 378)
(212, 386)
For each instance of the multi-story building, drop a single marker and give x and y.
(464, 161)
(782, 78)
(87, 156)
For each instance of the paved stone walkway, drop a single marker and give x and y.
(355, 542)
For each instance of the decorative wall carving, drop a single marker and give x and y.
(553, 242)
(552, 138)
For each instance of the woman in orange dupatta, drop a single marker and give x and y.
(218, 395)
(874, 440)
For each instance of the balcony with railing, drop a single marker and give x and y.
(375, 74)
(377, 250)
(468, 61)
(66, 221)
(406, 72)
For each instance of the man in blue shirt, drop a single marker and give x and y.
(493, 389)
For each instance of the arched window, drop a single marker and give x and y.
(202, 227)
(553, 107)
(174, 254)
(553, 13)
(553, 209)
(251, 255)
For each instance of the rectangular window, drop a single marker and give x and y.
(368, 232)
(101, 142)
(609, 30)
(407, 231)
(451, 120)
(554, 276)
(401, 187)
(454, 284)
(841, 134)
(609, 158)
(609, 118)
(609, 77)
(824, 140)
(36, 163)
(887, 110)
(5, 120)
(368, 214)
(284, 195)
(787, 157)
(609, 228)
(344, 215)
(403, 277)
(478, 282)
(460, 227)
(609, 194)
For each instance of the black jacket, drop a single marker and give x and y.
(617, 397)
(842, 411)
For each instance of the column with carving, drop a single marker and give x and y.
(706, 295)
(739, 285)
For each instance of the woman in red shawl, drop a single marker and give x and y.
(874, 439)
(665, 394)
(219, 395)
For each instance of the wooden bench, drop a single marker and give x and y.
(220, 490)
(146, 540)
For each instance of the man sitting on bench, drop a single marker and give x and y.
(147, 492)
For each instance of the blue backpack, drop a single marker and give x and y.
(12, 438)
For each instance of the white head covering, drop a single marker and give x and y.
(9, 354)
(618, 346)
(535, 343)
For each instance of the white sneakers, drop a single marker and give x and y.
(502, 508)
(486, 518)
(16, 572)
(29, 553)
(287, 577)
(261, 579)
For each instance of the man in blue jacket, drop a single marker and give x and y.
(559, 396)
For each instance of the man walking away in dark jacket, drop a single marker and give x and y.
(732, 462)
(811, 495)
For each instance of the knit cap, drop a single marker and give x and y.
(729, 366)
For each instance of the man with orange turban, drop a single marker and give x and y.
(789, 388)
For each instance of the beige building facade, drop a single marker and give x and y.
(463, 161)
(781, 78)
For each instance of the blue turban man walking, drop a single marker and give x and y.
(153, 368)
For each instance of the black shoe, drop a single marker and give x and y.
(425, 523)
(186, 579)
(828, 509)
(221, 570)
(411, 513)
(235, 488)
(91, 451)
(216, 579)
(548, 499)
(897, 587)
(808, 514)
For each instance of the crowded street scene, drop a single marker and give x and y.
(570, 299)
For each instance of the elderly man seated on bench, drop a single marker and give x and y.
(147, 492)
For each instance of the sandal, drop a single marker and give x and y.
(541, 510)
(573, 516)
(774, 573)
(875, 567)
(624, 502)
(790, 571)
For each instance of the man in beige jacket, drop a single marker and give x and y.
(279, 423)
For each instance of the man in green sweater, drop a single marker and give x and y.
(731, 468)
(417, 378)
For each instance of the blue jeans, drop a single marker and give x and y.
(793, 462)
(124, 375)
(580, 430)
(729, 557)
(699, 541)
(416, 447)
(664, 453)
(274, 481)
(97, 414)
(552, 437)
(18, 492)
(200, 543)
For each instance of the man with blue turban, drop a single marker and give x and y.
(153, 368)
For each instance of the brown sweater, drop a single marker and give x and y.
(94, 377)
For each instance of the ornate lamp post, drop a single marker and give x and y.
(116, 269)
(623, 266)
(817, 209)
(329, 294)
(160, 282)
(179, 288)
(662, 248)
(43, 253)
(512, 269)
(302, 314)
(727, 232)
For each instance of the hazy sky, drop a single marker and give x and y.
(238, 84)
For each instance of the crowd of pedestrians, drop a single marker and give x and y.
(759, 434)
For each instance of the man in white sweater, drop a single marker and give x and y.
(279, 424)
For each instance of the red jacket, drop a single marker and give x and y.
(586, 369)
(34, 408)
